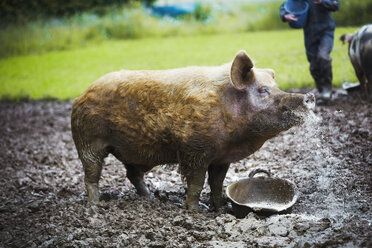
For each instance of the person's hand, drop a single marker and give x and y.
(290, 18)
(317, 1)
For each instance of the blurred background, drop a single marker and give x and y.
(55, 48)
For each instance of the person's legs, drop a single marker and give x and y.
(324, 62)
(318, 49)
(312, 47)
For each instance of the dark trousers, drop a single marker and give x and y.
(318, 49)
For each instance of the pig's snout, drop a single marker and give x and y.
(309, 100)
(293, 102)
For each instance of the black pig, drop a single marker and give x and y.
(360, 53)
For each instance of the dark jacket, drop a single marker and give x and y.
(319, 18)
(319, 35)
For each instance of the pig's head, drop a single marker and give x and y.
(346, 38)
(267, 109)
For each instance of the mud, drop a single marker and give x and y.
(42, 196)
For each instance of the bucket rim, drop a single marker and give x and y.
(275, 210)
(297, 12)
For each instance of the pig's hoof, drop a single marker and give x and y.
(147, 196)
(92, 210)
(218, 204)
(191, 206)
(144, 192)
(223, 209)
(92, 203)
(195, 207)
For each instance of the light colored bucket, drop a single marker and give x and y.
(264, 195)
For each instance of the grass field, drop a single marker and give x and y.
(66, 74)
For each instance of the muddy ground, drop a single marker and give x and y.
(42, 196)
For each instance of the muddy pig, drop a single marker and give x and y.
(360, 53)
(202, 118)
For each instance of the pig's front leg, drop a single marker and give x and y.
(195, 182)
(216, 175)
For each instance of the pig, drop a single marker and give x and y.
(360, 53)
(202, 118)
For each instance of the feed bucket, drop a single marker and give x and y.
(299, 9)
(263, 195)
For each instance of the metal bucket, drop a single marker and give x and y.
(351, 87)
(263, 195)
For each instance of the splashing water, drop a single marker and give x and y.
(321, 164)
(302, 155)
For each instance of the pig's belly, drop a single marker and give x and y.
(235, 154)
(146, 156)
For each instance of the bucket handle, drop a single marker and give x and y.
(259, 170)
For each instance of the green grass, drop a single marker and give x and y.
(66, 74)
(131, 22)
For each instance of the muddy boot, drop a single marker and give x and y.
(324, 86)
(325, 97)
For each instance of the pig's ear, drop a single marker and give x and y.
(271, 72)
(241, 70)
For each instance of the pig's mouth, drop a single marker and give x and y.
(294, 117)
(296, 110)
(269, 125)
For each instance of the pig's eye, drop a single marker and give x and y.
(264, 90)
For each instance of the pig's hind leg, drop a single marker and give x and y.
(135, 176)
(369, 88)
(92, 157)
(367, 65)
